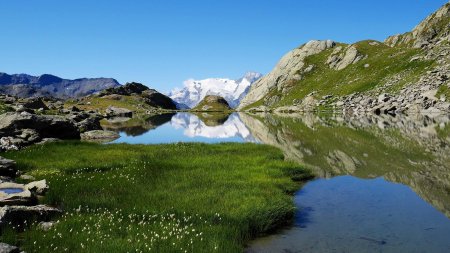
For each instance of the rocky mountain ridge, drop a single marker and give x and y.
(23, 85)
(406, 73)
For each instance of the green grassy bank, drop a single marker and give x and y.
(158, 198)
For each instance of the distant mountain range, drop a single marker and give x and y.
(23, 85)
(232, 90)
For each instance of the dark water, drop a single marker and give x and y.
(11, 190)
(383, 182)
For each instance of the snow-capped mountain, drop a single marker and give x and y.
(232, 90)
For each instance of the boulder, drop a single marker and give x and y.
(6, 248)
(34, 103)
(46, 225)
(339, 61)
(89, 124)
(11, 143)
(383, 98)
(29, 135)
(27, 177)
(7, 167)
(100, 135)
(118, 112)
(38, 187)
(48, 126)
(19, 214)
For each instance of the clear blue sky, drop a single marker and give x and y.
(162, 43)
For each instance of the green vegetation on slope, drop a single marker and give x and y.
(158, 198)
(382, 63)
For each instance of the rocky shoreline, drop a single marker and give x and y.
(19, 203)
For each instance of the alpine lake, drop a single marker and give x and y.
(382, 182)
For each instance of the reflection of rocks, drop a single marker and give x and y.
(138, 125)
(212, 118)
(412, 150)
(195, 127)
(340, 161)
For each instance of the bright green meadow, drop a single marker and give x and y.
(158, 198)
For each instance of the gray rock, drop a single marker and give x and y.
(339, 61)
(6, 248)
(30, 135)
(35, 103)
(89, 124)
(11, 143)
(100, 135)
(118, 112)
(46, 226)
(19, 214)
(38, 187)
(27, 177)
(7, 167)
(48, 126)
(383, 97)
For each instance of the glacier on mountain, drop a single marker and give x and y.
(232, 90)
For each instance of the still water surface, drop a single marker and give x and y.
(383, 182)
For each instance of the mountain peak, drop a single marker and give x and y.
(430, 31)
(24, 85)
(231, 90)
(251, 76)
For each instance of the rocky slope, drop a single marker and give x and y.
(232, 90)
(213, 103)
(406, 73)
(23, 85)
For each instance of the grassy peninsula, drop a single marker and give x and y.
(158, 198)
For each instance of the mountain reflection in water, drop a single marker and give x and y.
(411, 150)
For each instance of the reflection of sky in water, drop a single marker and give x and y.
(185, 127)
(346, 214)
